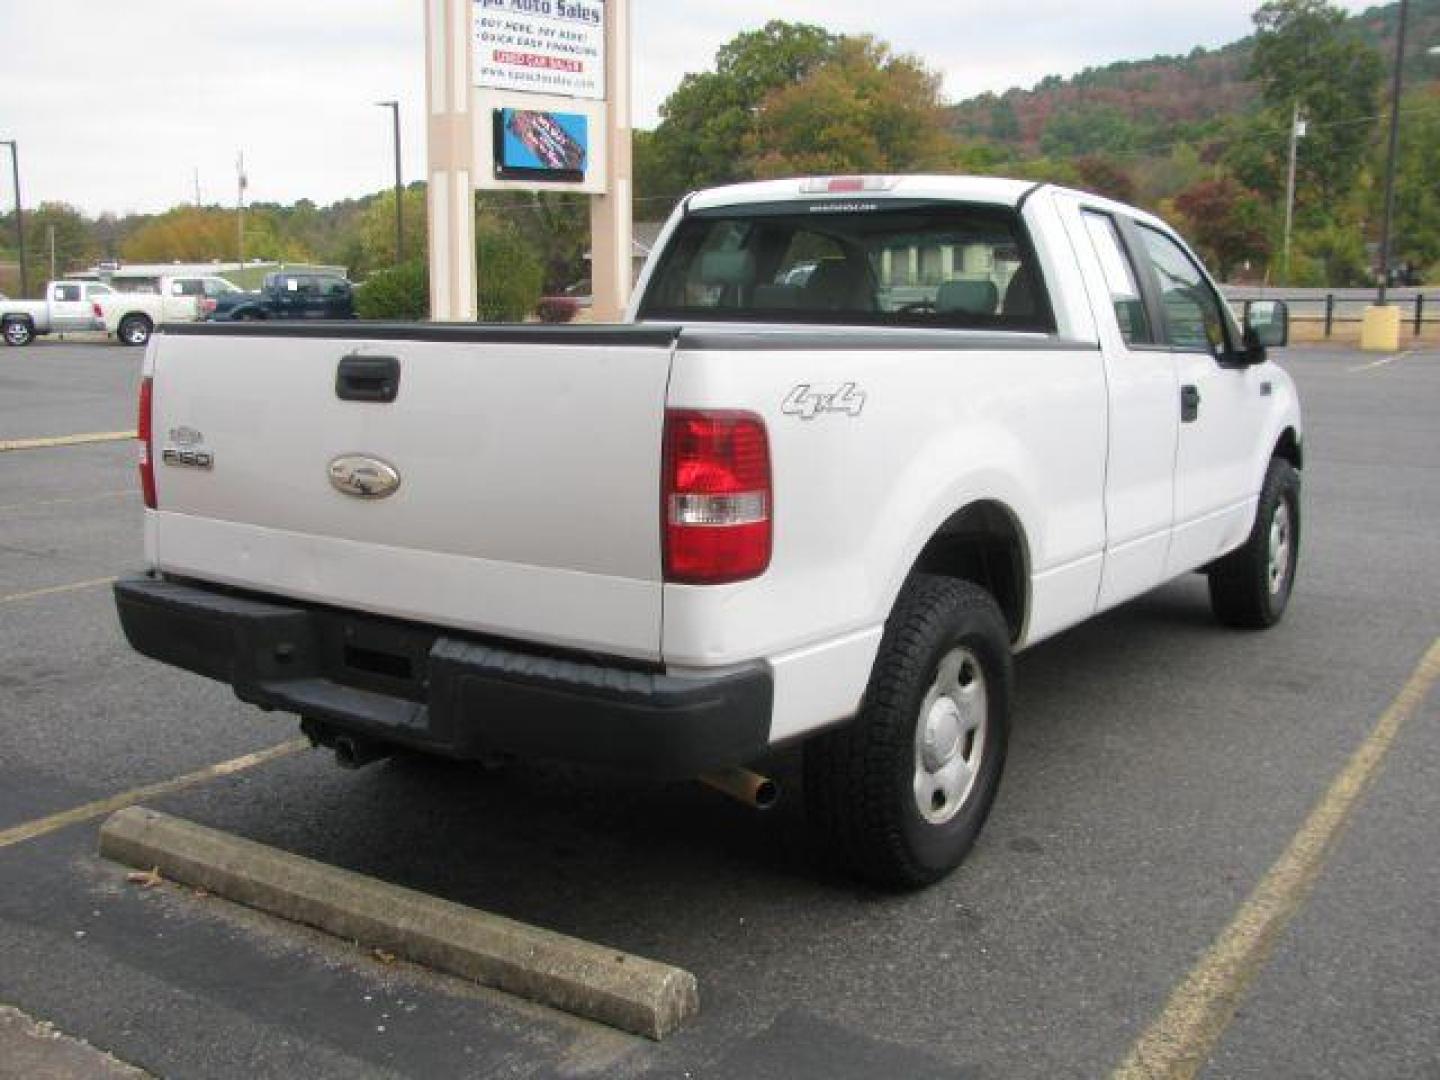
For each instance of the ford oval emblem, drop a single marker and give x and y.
(363, 477)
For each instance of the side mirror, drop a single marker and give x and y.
(1267, 324)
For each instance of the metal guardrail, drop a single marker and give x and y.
(1336, 306)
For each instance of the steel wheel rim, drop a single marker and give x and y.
(135, 334)
(16, 333)
(1282, 534)
(950, 737)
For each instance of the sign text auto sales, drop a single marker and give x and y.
(541, 46)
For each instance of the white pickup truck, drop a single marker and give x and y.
(131, 315)
(822, 506)
(68, 307)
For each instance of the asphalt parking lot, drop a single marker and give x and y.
(1160, 766)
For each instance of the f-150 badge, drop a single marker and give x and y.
(807, 403)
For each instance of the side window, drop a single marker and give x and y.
(1120, 279)
(1192, 310)
(67, 293)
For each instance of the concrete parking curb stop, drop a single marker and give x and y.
(627, 992)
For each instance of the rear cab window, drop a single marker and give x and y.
(888, 263)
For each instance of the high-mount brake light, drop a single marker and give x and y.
(846, 185)
(144, 432)
(717, 500)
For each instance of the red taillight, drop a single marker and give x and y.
(96, 309)
(147, 448)
(717, 497)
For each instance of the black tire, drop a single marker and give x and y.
(18, 332)
(1250, 588)
(862, 781)
(134, 330)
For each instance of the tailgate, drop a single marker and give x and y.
(528, 466)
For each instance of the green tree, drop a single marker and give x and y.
(510, 274)
(1417, 183)
(76, 245)
(1302, 56)
(865, 110)
(705, 123)
(374, 243)
(399, 292)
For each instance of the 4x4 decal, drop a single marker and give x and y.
(807, 403)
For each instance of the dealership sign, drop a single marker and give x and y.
(553, 47)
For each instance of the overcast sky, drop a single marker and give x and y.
(116, 105)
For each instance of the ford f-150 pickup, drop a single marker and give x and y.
(864, 439)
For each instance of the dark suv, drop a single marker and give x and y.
(299, 295)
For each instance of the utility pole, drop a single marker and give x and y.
(1396, 86)
(241, 183)
(394, 107)
(19, 212)
(197, 188)
(1296, 133)
(1380, 332)
(51, 230)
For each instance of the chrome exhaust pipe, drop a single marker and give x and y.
(755, 791)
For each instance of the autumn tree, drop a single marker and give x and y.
(1226, 221)
(1105, 177)
(865, 110)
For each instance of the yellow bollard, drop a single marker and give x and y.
(1380, 332)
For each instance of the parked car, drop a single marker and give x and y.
(297, 295)
(131, 316)
(770, 512)
(68, 307)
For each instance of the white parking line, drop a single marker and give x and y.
(1384, 360)
(66, 501)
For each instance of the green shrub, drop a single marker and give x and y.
(511, 277)
(400, 292)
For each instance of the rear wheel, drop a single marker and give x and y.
(134, 330)
(18, 332)
(900, 794)
(1250, 588)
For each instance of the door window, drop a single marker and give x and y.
(1193, 316)
(67, 293)
(1120, 279)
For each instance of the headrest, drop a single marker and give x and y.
(968, 297)
(727, 268)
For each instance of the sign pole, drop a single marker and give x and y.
(611, 216)
(449, 29)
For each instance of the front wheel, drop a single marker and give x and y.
(1250, 588)
(900, 793)
(134, 330)
(18, 332)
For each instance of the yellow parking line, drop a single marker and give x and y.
(55, 590)
(71, 499)
(1181, 1040)
(66, 440)
(40, 827)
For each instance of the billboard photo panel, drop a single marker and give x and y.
(532, 144)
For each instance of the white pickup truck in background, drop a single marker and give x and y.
(68, 307)
(866, 438)
(131, 315)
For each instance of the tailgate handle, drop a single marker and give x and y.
(368, 378)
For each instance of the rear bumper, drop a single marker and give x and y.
(455, 697)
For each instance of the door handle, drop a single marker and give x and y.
(1189, 404)
(368, 378)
